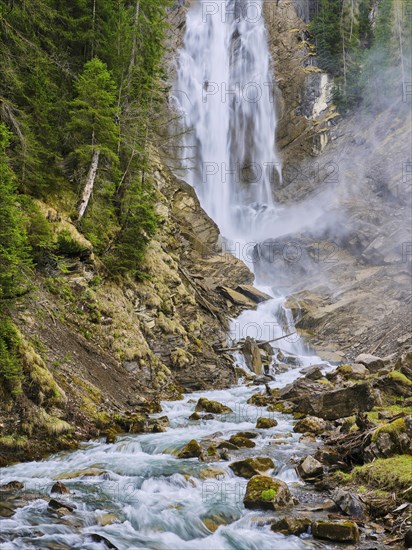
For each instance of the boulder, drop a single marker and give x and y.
(7, 510)
(371, 362)
(404, 364)
(346, 531)
(250, 467)
(88, 472)
(195, 416)
(111, 436)
(329, 456)
(206, 405)
(211, 472)
(357, 371)
(348, 502)
(237, 298)
(310, 468)
(267, 493)
(12, 486)
(107, 519)
(251, 353)
(310, 424)
(60, 488)
(311, 398)
(266, 423)
(190, 450)
(242, 442)
(63, 506)
(391, 439)
(253, 293)
(313, 373)
(260, 399)
(343, 402)
(159, 425)
(291, 526)
(395, 383)
(249, 435)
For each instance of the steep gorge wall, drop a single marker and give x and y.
(347, 266)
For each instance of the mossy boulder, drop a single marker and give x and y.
(195, 416)
(12, 486)
(310, 424)
(267, 493)
(87, 472)
(240, 442)
(266, 423)
(356, 371)
(342, 531)
(284, 407)
(397, 384)
(291, 526)
(206, 405)
(190, 450)
(249, 435)
(158, 425)
(250, 467)
(212, 472)
(391, 439)
(260, 400)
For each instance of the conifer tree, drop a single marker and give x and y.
(93, 124)
(14, 252)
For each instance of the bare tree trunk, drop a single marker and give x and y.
(134, 47)
(88, 187)
(93, 29)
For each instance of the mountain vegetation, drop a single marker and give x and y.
(80, 91)
(353, 37)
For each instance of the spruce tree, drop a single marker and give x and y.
(14, 250)
(92, 125)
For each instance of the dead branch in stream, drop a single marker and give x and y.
(258, 343)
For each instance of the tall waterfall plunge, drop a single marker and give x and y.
(224, 89)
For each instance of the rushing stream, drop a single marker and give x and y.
(155, 500)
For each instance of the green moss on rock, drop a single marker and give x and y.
(267, 493)
(190, 450)
(266, 423)
(346, 531)
(206, 405)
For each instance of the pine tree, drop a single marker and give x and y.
(14, 251)
(93, 124)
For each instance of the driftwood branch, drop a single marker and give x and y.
(259, 344)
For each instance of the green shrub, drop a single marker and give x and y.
(68, 246)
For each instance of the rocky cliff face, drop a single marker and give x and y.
(343, 246)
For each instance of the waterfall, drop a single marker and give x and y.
(224, 88)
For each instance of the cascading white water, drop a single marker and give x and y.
(224, 89)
